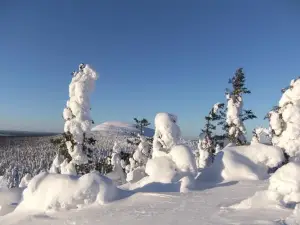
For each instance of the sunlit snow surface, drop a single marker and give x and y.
(207, 205)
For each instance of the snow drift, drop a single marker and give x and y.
(283, 190)
(56, 191)
(236, 163)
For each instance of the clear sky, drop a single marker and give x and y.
(152, 56)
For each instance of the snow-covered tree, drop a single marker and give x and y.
(285, 120)
(208, 139)
(235, 114)
(136, 168)
(170, 160)
(118, 163)
(167, 133)
(78, 121)
(262, 135)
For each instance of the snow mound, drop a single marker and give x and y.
(251, 162)
(120, 128)
(269, 156)
(286, 183)
(161, 169)
(56, 191)
(184, 159)
(283, 190)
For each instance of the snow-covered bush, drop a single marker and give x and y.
(285, 120)
(170, 160)
(235, 115)
(262, 135)
(243, 163)
(48, 191)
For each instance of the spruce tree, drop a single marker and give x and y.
(141, 124)
(208, 139)
(234, 115)
(76, 144)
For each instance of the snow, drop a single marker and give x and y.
(48, 191)
(283, 191)
(263, 136)
(234, 109)
(9, 198)
(77, 112)
(202, 206)
(119, 127)
(161, 169)
(184, 159)
(170, 161)
(167, 133)
(284, 121)
(25, 181)
(236, 163)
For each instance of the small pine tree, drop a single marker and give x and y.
(235, 116)
(141, 124)
(208, 140)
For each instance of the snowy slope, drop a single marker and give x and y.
(204, 206)
(120, 128)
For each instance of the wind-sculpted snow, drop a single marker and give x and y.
(283, 192)
(56, 191)
(244, 163)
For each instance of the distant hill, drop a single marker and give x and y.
(117, 127)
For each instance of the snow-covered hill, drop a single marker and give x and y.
(120, 128)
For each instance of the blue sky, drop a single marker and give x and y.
(152, 56)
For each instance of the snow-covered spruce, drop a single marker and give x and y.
(136, 168)
(262, 135)
(285, 120)
(77, 115)
(170, 161)
(235, 116)
(118, 163)
(208, 141)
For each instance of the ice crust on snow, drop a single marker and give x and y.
(48, 191)
(236, 163)
(77, 112)
(285, 122)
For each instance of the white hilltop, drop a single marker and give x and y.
(119, 127)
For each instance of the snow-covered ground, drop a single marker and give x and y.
(206, 205)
